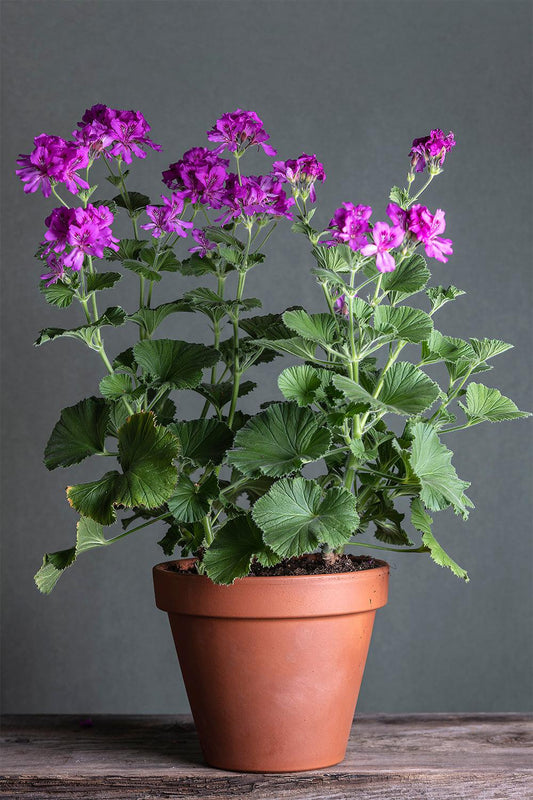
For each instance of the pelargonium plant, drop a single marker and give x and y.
(233, 488)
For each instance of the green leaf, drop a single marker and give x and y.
(409, 277)
(300, 383)
(190, 502)
(406, 390)
(439, 296)
(102, 280)
(483, 404)
(214, 306)
(116, 180)
(219, 394)
(58, 294)
(202, 441)
(80, 432)
(329, 277)
(319, 328)
(174, 363)
(295, 346)
(430, 460)
(446, 348)
(230, 554)
(403, 322)
(421, 520)
(488, 348)
(150, 318)
(399, 196)
(146, 454)
(220, 235)
(137, 201)
(263, 325)
(52, 568)
(128, 248)
(163, 260)
(295, 517)
(142, 269)
(195, 265)
(89, 535)
(279, 441)
(115, 386)
(114, 316)
(336, 259)
(95, 499)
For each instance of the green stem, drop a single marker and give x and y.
(236, 365)
(423, 189)
(139, 527)
(422, 549)
(59, 198)
(209, 535)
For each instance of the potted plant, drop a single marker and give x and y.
(271, 618)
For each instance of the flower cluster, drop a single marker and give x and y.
(204, 244)
(431, 151)
(77, 232)
(114, 132)
(201, 175)
(253, 194)
(349, 225)
(301, 173)
(167, 218)
(52, 161)
(239, 130)
(421, 225)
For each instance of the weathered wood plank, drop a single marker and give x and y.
(427, 757)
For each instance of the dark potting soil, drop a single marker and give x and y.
(315, 564)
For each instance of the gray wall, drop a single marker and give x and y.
(353, 82)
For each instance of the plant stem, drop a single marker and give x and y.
(59, 198)
(236, 365)
(209, 535)
(417, 195)
(139, 527)
(421, 549)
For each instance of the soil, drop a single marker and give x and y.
(315, 564)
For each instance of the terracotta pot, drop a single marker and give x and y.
(272, 665)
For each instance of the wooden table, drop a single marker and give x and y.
(422, 756)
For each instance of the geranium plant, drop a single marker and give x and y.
(232, 488)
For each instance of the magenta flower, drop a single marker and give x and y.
(340, 305)
(239, 130)
(201, 174)
(56, 269)
(431, 150)
(84, 231)
(255, 195)
(349, 225)
(53, 160)
(166, 218)
(204, 245)
(385, 238)
(114, 132)
(427, 227)
(302, 173)
(398, 215)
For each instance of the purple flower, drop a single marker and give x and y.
(201, 174)
(56, 269)
(385, 238)
(204, 245)
(302, 174)
(53, 160)
(166, 218)
(340, 305)
(431, 150)
(114, 132)
(427, 227)
(85, 231)
(349, 225)
(398, 215)
(255, 195)
(239, 130)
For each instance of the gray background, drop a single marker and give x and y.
(353, 82)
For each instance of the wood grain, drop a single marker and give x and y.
(427, 757)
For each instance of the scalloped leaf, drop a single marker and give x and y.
(406, 390)
(236, 543)
(300, 383)
(431, 462)
(174, 363)
(485, 404)
(295, 516)
(202, 441)
(80, 432)
(409, 324)
(421, 520)
(279, 441)
(190, 502)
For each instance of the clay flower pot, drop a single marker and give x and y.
(272, 665)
